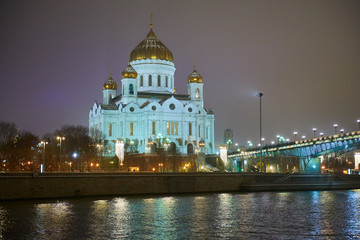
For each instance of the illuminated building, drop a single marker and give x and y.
(147, 112)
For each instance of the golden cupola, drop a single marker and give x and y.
(129, 72)
(195, 77)
(110, 84)
(151, 48)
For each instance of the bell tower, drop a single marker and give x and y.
(109, 90)
(195, 87)
(129, 84)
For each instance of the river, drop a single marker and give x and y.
(262, 215)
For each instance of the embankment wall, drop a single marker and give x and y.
(52, 185)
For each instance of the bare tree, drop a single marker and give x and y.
(8, 133)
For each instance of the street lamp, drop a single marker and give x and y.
(303, 137)
(358, 121)
(295, 134)
(278, 138)
(259, 94)
(335, 126)
(321, 134)
(342, 131)
(314, 130)
(43, 164)
(60, 139)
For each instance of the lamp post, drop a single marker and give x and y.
(358, 121)
(314, 130)
(43, 164)
(303, 137)
(60, 139)
(321, 134)
(278, 138)
(342, 131)
(295, 134)
(335, 126)
(259, 94)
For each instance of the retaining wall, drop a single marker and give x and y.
(50, 185)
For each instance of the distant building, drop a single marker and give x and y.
(148, 113)
(228, 137)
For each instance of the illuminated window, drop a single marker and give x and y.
(190, 130)
(110, 130)
(141, 81)
(166, 82)
(159, 81)
(197, 94)
(131, 129)
(150, 80)
(153, 127)
(172, 128)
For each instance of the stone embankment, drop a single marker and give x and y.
(52, 185)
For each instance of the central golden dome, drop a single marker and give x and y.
(151, 48)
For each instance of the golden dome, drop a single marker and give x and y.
(195, 77)
(110, 84)
(151, 48)
(129, 72)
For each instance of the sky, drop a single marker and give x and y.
(304, 56)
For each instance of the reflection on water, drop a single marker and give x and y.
(266, 215)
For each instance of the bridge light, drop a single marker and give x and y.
(321, 134)
(303, 137)
(314, 130)
(335, 126)
(295, 134)
(272, 142)
(342, 131)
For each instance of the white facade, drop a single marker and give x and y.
(147, 112)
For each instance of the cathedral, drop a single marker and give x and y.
(147, 113)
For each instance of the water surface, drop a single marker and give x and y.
(265, 215)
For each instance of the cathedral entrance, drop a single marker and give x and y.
(153, 147)
(190, 149)
(172, 148)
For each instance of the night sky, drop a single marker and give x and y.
(303, 55)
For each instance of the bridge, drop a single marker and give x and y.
(305, 156)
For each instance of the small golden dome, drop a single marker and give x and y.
(195, 77)
(151, 48)
(110, 84)
(129, 72)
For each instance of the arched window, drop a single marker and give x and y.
(131, 89)
(131, 128)
(153, 128)
(150, 80)
(166, 82)
(141, 81)
(159, 81)
(197, 94)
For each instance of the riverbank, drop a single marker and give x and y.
(54, 185)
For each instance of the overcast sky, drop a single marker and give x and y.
(303, 55)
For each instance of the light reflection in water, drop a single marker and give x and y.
(51, 219)
(287, 215)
